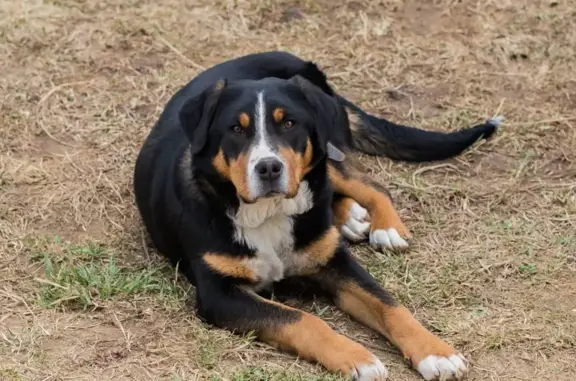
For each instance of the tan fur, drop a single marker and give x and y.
(230, 266)
(396, 323)
(239, 175)
(341, 210)
(236, 172)
(312, 339)
(379, 206)
(221, 166)
(293, 162)
(278, 114)
(307, 158)
(317, 253)
(244, 120)
(298, 166)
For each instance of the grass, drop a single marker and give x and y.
(492, 264)
(10, 375)
(259, 374)
(84, 277)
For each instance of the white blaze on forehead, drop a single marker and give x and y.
(261, 148)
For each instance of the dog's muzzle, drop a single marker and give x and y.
(269, 177)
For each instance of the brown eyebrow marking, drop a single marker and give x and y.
(244, 120)
(278, 114)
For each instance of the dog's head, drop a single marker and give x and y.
(263, 136)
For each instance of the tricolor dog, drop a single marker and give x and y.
(247, 180)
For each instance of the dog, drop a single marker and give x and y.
(247, 179)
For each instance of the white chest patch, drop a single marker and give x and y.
(266, 227)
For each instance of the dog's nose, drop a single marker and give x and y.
(269, 169)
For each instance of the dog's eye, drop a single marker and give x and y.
(237, 129)
(289, 124)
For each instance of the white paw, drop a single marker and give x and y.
(443, 368)
(388, 239)
(356, 227)
(357, 212)
(374, 371)
(354, 230)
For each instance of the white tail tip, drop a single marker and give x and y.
(496, 121)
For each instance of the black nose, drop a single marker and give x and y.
(269, 169)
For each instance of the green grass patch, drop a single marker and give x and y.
(84, 277)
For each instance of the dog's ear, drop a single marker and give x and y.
(326, 114)
(197, 114)
(317, 77)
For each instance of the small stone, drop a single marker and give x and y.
(395, 94)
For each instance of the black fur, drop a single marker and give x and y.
(377, 136)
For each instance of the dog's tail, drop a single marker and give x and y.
(377, 136)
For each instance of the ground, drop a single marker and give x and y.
(493, 262)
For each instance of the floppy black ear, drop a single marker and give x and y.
(327, 115)
(317, 77)
(197, 114)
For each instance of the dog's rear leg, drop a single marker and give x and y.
(387, 231)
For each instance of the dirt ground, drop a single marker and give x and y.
(492, 268)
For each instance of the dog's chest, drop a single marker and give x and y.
(267, 228)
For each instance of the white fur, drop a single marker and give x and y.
(261, 149)
(267, 267)
(373, 371)
(357, 212)
(443, 368)
(266, 227)
(354, 230)
(356, 227)
(497, 120)
(389, 239)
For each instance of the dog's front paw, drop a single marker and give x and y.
(436, 360)
(443, 368)
(353, 360)
(387, 239)
(372, 371)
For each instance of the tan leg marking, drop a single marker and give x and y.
(312, 339)
(341, 210)
(396, 323)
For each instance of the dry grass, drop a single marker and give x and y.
(493, 264)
